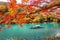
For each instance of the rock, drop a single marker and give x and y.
(58, 35)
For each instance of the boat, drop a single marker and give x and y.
(36, 27)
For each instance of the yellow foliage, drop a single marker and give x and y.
(2, 7)
(37, 18)
(14, 20)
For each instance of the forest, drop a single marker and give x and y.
(30, 11)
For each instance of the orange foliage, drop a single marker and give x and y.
(30, 8)
(8, 26)
(12, 7)
(22, 21)
(12, 3)
(20, 5)
(22, 14)
(24, 1)
(20, 17)
(35, 3)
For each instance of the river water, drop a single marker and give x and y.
(25, 33)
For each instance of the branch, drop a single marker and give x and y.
(52, 4)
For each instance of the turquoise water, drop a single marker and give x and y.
(25, 33)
